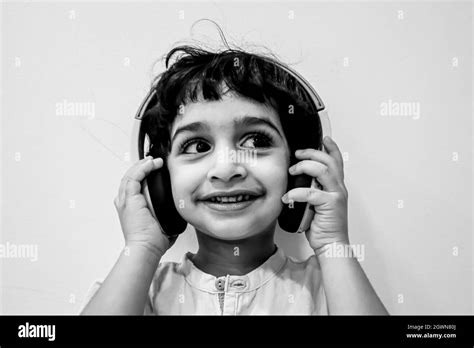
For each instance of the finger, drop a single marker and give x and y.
(333, 150)
(317, 170)
(325, 158)
(310, 195)
(131, 182)
(138, 173)
(125, 178)
(141, 171)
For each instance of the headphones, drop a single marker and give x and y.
(294, 217)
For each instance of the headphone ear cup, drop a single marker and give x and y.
(159, 189)
(292, 214)
(302, 132)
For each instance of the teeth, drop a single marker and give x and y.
(231, 199)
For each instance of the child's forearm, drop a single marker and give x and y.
(348, 291)
(125, 290)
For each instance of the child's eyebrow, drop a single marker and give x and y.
(241, 122)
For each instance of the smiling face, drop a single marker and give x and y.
(233, 144)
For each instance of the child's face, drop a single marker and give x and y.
(219, 155)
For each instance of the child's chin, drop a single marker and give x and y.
(230, 235)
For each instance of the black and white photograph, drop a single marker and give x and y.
(194, 159)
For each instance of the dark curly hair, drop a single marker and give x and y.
(198, 73)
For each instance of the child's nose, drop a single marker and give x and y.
(227, 165)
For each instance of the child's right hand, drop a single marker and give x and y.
(139, 227)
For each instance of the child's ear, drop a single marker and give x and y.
(288, 154)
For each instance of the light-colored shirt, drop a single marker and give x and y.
(280, 286)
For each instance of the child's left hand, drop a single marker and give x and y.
(330, 220)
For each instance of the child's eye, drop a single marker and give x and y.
(259, 139)
(198, 144)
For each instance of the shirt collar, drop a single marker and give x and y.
(232, 283)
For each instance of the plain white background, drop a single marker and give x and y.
(409, 179)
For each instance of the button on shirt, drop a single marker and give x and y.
(279, 286)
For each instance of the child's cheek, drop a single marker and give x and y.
(268, 172)
(273, 174)
(184, 182)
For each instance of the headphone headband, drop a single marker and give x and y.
(306, 85)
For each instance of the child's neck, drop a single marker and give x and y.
(238, 257)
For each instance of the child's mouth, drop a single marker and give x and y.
(230, 203)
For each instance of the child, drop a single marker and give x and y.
(209, 106)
